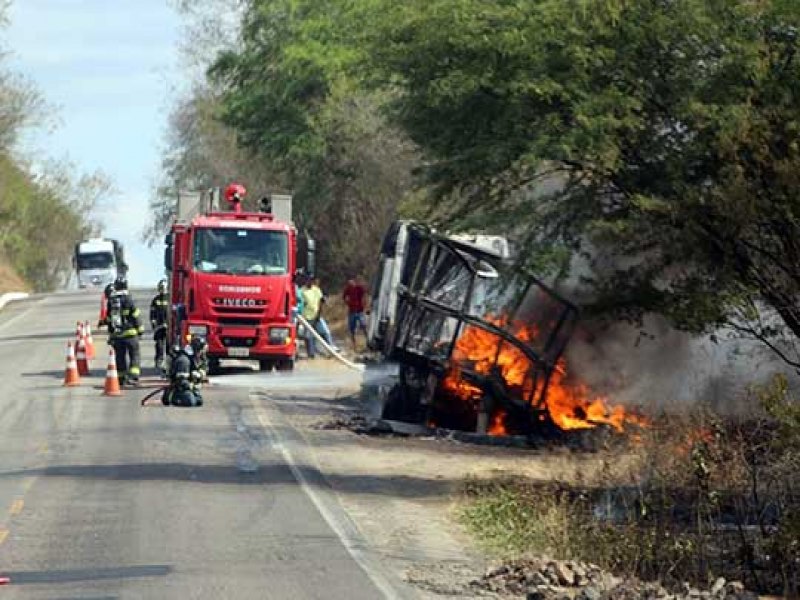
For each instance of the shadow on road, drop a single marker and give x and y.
(38, 374)
(245, 474)
(100, 574)
(65, 336)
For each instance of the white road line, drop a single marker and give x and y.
(339, 524)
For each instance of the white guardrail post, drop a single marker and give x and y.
(11, 297)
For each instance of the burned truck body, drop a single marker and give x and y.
(476, 340)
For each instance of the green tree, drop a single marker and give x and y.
(201, 152)
(43, 211)
(292, 93)
(667, 130)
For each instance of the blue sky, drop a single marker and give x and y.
(111, 68)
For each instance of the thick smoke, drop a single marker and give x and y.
(659, 368)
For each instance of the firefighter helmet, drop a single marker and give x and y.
(162, 286)
(235, 192)
(198, 344)
(120, 283)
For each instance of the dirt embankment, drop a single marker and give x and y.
(10, 281)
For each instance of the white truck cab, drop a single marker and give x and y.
(98, 262)
(400, 242)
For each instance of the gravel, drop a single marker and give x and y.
(545, 579)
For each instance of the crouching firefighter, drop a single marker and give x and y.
(186, 374)
(124, 329)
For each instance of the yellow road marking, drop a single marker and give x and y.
(3, 535)
(17, 506)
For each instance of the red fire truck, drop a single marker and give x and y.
(231, 278)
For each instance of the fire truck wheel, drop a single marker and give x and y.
(213, 366)
(286, 364)
(266, 364)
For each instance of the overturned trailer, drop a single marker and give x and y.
(477, 341)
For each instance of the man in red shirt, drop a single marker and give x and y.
(354, 296)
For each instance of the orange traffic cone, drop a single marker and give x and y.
(111, 387)
(80, 355)
(78, 331)
(71, 376)
(90, 351)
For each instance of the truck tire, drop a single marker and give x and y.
(213, 366)
(266, 364)
(285, 364)
(404, 402)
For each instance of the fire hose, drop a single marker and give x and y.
(153, 393)
(348, 363)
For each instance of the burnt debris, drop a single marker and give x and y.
(477, 341)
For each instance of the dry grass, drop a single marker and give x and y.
(706, 497)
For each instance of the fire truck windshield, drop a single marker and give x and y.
(240, 251)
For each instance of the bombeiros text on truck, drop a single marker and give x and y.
(231, 277)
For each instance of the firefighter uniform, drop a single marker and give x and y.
(186, 375)
(159, 310)
(124, 328)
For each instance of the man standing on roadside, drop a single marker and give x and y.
(313, 299)
(312, 303)
(354, 294)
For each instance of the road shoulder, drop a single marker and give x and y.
(401, 493)
(302, 459)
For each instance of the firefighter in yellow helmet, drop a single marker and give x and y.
(124, 330)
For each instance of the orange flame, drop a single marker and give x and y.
(570, 405)
(498, 426)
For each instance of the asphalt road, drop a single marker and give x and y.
(102, 499)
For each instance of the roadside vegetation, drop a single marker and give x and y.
(697, 502)
(643, 155)
(643, 151)
(44, 208)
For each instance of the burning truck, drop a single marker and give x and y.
(480, 344)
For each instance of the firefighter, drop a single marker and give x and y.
(124, 330)
(159, 309)
(186, 375)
